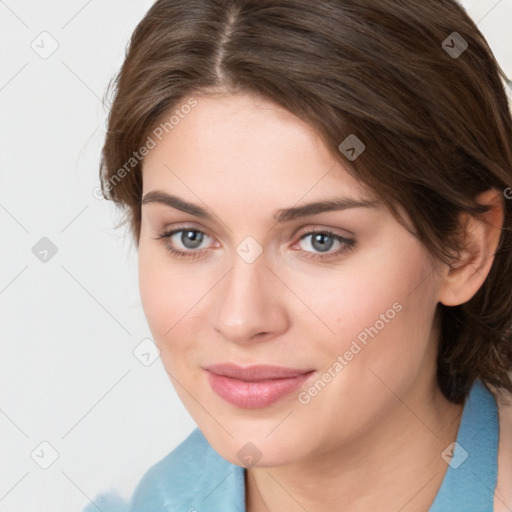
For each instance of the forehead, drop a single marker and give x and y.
(242, 146)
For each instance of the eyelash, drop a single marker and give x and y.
(347, 244)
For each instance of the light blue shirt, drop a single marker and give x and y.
(194, 478)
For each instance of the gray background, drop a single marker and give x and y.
(73, 374)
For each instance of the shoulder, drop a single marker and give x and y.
(186, 477)
(503, 490)
(173, 476)
(107, 502)
(191, 476)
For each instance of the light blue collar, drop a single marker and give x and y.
(470, 480)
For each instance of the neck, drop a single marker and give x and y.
(396, 465)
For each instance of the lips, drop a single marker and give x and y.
(255, 386)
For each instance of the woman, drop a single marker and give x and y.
(317, 192)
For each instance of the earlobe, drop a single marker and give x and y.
(466, 275)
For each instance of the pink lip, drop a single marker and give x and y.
(254, 386)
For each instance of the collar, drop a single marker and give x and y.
(470, 479)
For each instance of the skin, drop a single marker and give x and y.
(372, 438)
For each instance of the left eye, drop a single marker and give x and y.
(191, 239)
(322, 241)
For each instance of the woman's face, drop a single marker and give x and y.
(341, 300)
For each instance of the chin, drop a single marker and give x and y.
(251, 437)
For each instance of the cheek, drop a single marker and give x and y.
(164, 295)
(386, 301)
(381, 314)
(174, 299)
(152, 283)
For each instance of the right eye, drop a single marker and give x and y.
(189, 237)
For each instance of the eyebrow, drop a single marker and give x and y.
(281, 216)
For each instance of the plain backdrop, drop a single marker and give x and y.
(82, 410)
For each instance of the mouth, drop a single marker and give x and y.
(254, 387)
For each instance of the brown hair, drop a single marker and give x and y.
(436, 123)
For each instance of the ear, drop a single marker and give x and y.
(462, 279)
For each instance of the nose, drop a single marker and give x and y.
(249, 303)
